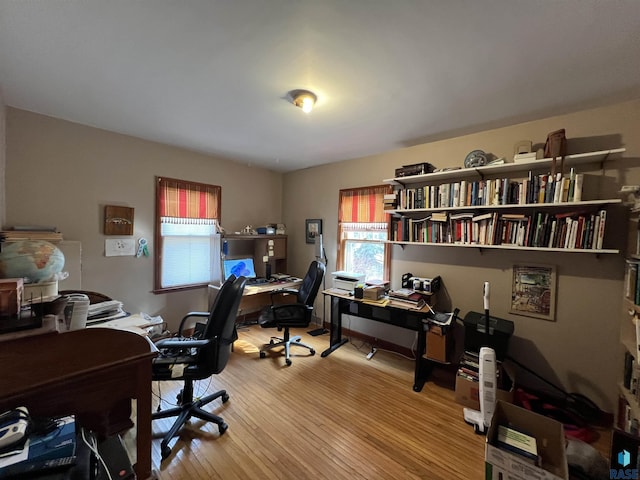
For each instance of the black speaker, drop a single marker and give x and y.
(267, 271)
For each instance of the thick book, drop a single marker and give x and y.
(518, 442)
(414, 297)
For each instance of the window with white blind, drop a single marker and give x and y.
(187, 249)
(363, 232)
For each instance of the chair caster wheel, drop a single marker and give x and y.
(222, 428)
(313, 352)
(225, 398)
(288, 362)
(262, 354)
(165, 451)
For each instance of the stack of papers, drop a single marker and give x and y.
(103, 311)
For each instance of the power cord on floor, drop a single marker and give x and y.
(373, 350)
(92, 445)
(201, 392)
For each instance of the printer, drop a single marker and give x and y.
(347, 280)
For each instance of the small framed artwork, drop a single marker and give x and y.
(533, 291)
(313, 229)
(118, 220)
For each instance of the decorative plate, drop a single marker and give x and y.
(475, 158)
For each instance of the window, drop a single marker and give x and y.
(363, 231)
(187, 252)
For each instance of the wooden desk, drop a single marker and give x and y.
(88, 373)
(392, 314)
(256, 297)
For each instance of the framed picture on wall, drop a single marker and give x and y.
(313, 228)
(533, 291)
(118, 220)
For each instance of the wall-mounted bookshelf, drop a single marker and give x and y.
(482, 208)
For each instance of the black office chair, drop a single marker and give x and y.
(298, 314)
(201, 355)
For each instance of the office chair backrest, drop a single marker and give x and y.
(221, 325)
(311, 283)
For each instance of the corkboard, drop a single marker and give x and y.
(118, 220)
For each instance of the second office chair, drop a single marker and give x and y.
(288, 315)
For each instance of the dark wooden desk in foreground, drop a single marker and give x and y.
(88, 373)
(392, 314)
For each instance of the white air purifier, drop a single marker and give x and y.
(481, 420)
(76, 311)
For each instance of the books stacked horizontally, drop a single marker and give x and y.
(469, 367)
(518, 442)
(390, 201)
(20, 233)
(408, 297)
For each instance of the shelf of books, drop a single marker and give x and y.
(481, 207)
(629, 398)
(577, 230)
(543, 189)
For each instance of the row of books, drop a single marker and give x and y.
(535, 189)
(632, 281)
(570, 230)
(627, 421)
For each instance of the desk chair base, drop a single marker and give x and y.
(286, 342)
(189, 408)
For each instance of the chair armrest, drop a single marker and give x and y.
(190, 315)
(180, 343)
(284, 291)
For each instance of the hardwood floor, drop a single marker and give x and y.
(337, 417)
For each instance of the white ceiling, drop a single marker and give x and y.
(212, 75)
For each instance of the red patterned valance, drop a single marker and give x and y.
(363, 205)
(183, 199)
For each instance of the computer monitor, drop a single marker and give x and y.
(239, 267)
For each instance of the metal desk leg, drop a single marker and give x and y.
(335, 335)
(423, 366)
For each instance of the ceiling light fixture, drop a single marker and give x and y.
(303, 99)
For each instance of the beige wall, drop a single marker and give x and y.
(580, 349)
(63, 174)
(3, 154)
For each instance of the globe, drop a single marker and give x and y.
(35, 260)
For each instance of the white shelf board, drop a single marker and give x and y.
(561, 205)
(569, 161)
(509, 247)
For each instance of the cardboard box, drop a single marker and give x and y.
(439, 343)
(11, 292)
(468, 391)
(549, 434)
(373, 292)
